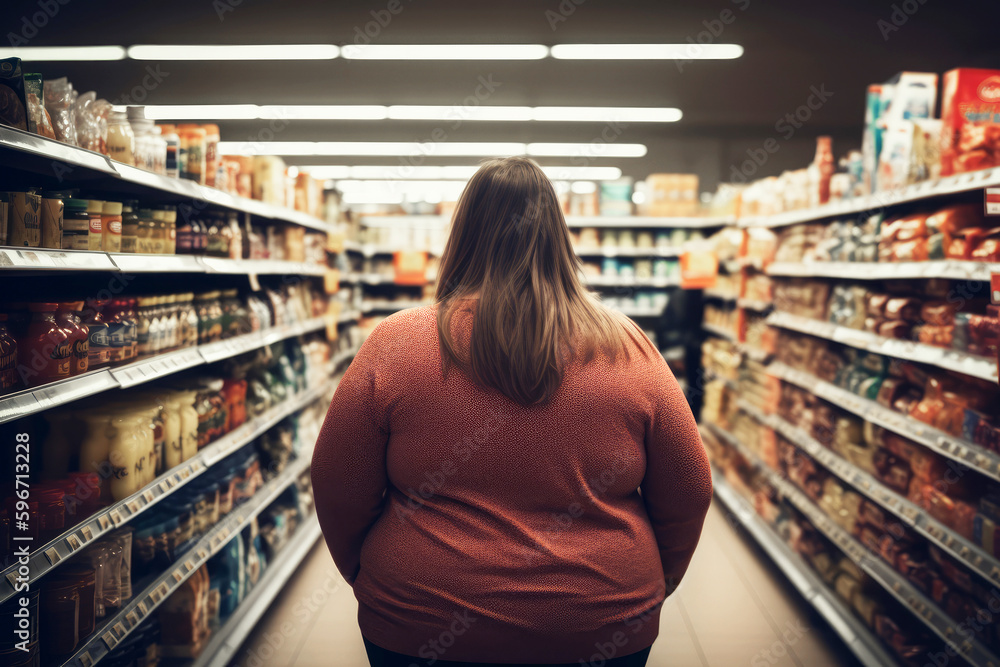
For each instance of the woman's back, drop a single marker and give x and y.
(501, 520)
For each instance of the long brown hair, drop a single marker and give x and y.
(509, 244)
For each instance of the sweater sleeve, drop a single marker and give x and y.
(349, 462)
(677, 486)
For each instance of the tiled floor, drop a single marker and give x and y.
(733, 608)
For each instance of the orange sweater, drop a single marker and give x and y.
(473, 528)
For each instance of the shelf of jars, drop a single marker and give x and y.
(969, 554)
(923, 609)
(50, 260)
(116, 628)
(858, 639)
(31, 401)
(958, 449)
(227, 639)
(31, 152)
(72, 541)
(954, 360)
(940, 187)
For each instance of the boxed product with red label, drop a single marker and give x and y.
(970, 112)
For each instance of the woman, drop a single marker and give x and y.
(510, 476)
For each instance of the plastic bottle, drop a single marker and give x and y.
(45, 353)
(99, 345)
(173, 141)
(67, 315)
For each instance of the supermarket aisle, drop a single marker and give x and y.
(733, 609)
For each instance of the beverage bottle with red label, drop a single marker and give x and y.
(8, 357)
(99, 352)
(67, 315)
(45, 352)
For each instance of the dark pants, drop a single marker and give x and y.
(379, 657)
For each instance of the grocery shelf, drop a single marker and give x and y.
(635, 311)
(618, 281)
(31, 401)
(719, 295)
(226, 640)
(877, 569)
(914, 516)
(374, 249)
(47, 557)
(412, 221)
(644, 222)
(350, 245)
(945, 444)
(877, 202)
(673, 353)
(961, 362)
(113, 630)
(721, 332)
(48, 260)
(349, 316)
(754, 304)
(951, 269)
(865, 646)
(48, 152)
(627, 251)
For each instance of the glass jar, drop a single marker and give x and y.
(121, 139)
(144, 233)
(95, 238)
(45, 352)
(97, 556)
(159, 232)
(99, 345)
(60, 619)
(111, 226)
(173, 454)
(235, 236)
(83, 578)
(8, 357)
(130, 227)
(95, 449)
(112, 585)
(67, 316)
(170, 224)
(187, 319)
(188, 441)
(122, 537)
(76, 225)
(124, 452)
(51, 510)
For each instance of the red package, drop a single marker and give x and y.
(940, 336)
(970, 114)
(952, 219)
(939, 313)
(987, 248)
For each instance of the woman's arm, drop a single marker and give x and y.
(348, 466)
(677, 487)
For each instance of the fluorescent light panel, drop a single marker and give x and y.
(646, 51)
(445, 52)
(430, 149)
(63, 53)
(461, 173)
(233, 52)
(412, 112)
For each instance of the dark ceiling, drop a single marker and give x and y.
(729, 105)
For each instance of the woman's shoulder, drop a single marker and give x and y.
(405, 329)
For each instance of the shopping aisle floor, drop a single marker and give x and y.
(733, 608)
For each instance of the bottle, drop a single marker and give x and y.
(173, 141)
(117, 327)
(67, 315)
(130, 227)
(144, 234)
(159, 232)
(211, 153)
(121, 139)
(45, 353)
(193, 145)
(132, 328)
(99, 345)
(111, 227)
(825, 165)
(185, 236)
(236, 237)
(170, 226)
(8, 357)
(95, 207)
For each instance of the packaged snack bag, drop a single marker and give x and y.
(13, 105)
(970, 113)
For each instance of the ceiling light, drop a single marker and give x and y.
(647, 51)
(608, 114)
(596, 149)
(324, 112)
(384, 148)
(233, 52)
(446, 52)
(459, 113)
(202, 111)
(63, 53)
(462, 173)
